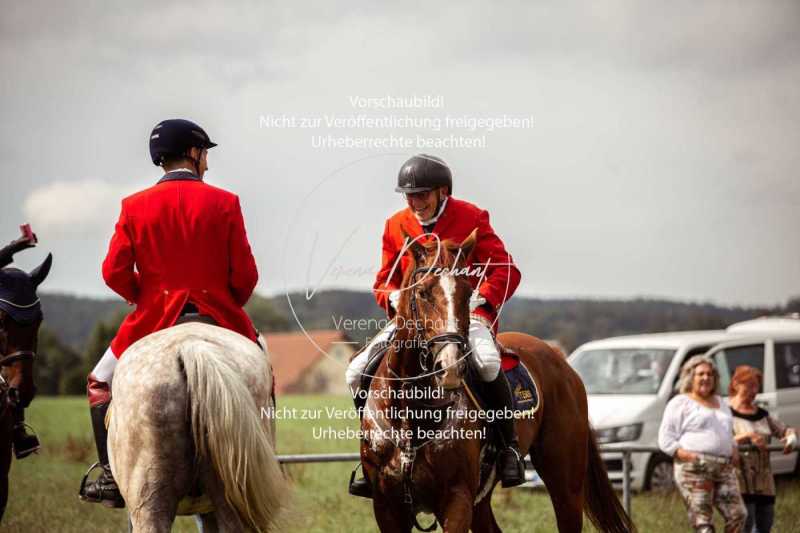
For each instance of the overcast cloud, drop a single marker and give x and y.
(662, 160)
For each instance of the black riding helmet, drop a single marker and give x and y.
(424, 173)
(174, 137)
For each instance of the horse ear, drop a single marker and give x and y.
(417, 250)
(39, 273)
(467, 246)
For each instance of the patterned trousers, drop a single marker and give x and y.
(705, 484)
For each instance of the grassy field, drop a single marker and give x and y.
(44, 487)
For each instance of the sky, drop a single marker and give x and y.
(655, 152)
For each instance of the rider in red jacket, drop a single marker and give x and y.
(179, 247)
(427, 183)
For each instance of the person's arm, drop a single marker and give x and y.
(118, 266)
(243, 274)
(17, 245)
(670, 431)
(780, 430)
(390, 276)
(502, 276)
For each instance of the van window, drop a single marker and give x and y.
(622, 371)
(787, 365)
(728, 359)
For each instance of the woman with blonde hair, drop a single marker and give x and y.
(754, 425)
(697, 431)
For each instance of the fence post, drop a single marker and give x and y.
(626, 481)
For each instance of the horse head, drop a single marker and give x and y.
(434, 305)
(20, 318)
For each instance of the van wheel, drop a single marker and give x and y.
(660, 476)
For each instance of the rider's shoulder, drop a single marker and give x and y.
(463, 206)
(157, 190)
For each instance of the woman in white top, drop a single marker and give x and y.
(697, 431)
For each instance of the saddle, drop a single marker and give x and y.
(190, 313)
(523, 387)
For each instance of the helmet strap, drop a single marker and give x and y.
(195, 162)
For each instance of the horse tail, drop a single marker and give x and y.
(601, 503)
(228, 432)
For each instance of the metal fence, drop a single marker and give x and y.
(626, 451)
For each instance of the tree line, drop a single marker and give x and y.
(77, 331)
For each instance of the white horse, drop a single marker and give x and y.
(186, 412)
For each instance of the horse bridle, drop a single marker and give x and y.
(448, 337)
(15, 357)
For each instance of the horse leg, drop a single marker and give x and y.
(225, 517)
(207, 523)
(483, 520)
(151, 456)
(5, 467)
(390, 518)
(562, 466)
(457, 514)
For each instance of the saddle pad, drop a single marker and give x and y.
(523, 388)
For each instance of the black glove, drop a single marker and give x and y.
(7, 252)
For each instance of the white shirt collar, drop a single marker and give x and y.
(438, 214)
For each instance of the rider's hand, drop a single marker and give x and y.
(476, 300)
(394, 299)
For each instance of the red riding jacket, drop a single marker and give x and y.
(187, 242)
(459, 218)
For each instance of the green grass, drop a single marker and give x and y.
(44, 487)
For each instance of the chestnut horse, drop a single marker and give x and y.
(413, 469)
(18, 343)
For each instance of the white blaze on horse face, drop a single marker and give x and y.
(448, 285)
(448, 355)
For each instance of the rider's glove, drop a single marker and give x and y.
(394, 299)
(476, 301)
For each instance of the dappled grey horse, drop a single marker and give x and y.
(185, 415)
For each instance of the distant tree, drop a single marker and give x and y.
(101, 337)
(56, 366)
(793, 305)
(265, 316)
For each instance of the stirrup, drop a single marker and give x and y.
(116, 502)
(31, 445)
(359, 487)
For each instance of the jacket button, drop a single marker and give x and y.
(166, 292)
(205, 291)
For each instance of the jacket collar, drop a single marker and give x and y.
(181, 174)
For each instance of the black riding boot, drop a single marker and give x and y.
(23, 442)
(510, 466)
(359, 487)
(104, 489)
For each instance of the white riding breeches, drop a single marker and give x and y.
(484, 355)
(104, 370)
